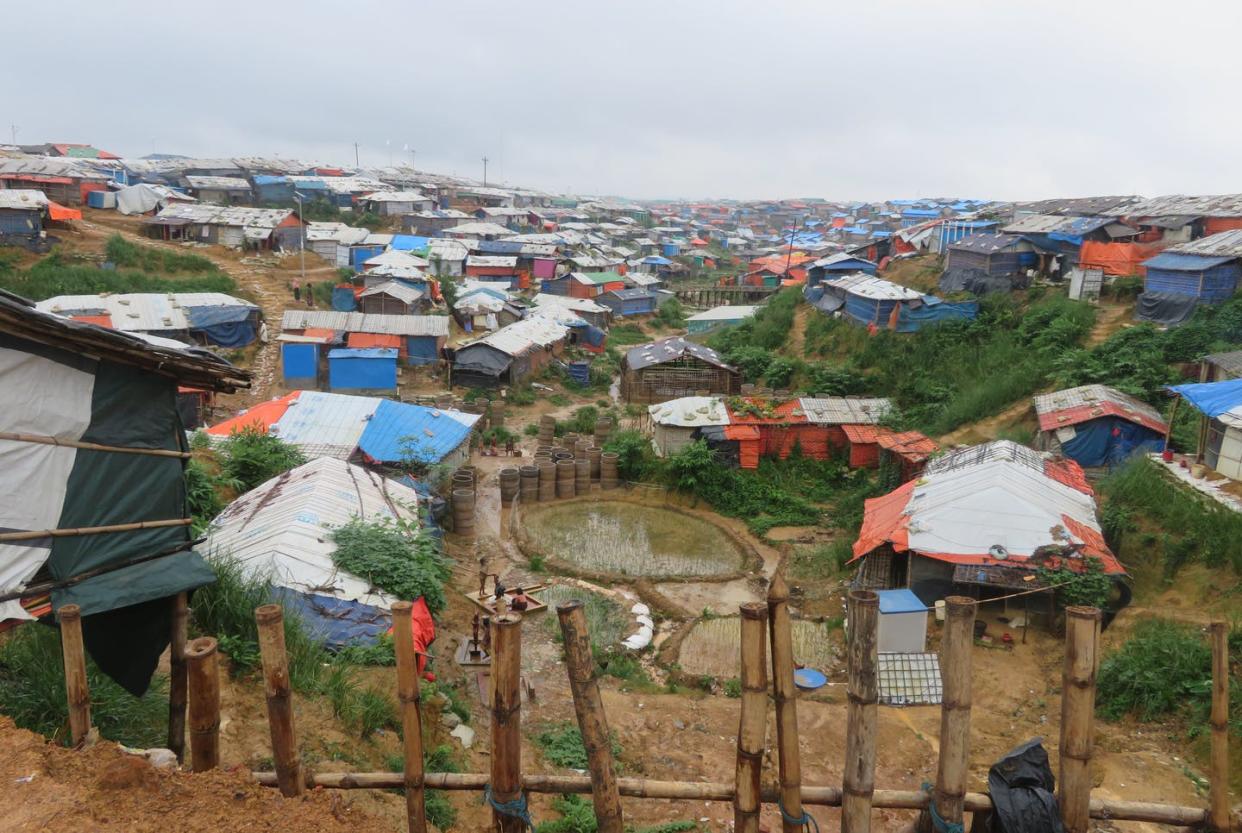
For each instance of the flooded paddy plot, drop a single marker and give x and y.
(629, 539)
(608, 622)
(713, 647)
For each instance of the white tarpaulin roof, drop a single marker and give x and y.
(690, 412)
(142, 311)
(282, 529)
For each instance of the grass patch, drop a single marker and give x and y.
(53, 276)
(627, 335)
(561, 745)
(577, 816)
(155, 259)
(821, 562)
(607, 622)
(32, 692)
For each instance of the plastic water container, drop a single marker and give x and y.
(939, 610)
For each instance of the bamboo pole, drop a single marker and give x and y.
(1219, 821)
(204, 684)
(789, 759)
(817, 796)
(592, 721)
(858, 784)
(753, 724)
(30, 535)
(1082, 640)
(955, 668)
(177, 676)
(270, 619)
(506, 783)
(77, 691)
(411, 721)
(44, 440)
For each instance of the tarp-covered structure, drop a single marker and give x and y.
(145, 198)
(86, 407)
(364, 428)
(994, 505)
(203, 317)
(281, 532)
(1221, 405)
(1204, 271)
(1095, 425)
(872, 301)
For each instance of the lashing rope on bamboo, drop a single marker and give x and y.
(516, 808)
(938, 822)
(808, 822)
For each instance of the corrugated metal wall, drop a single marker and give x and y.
(1214, 285)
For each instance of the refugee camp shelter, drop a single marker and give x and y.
(88, 410)
(1217, 367)
(365, 429)
(21, 214)
(672, 368)
(875, 302)
(145, 198)
(984, 263)
(281, 531)
(359, 369)
(726, 316)
(629, 302)
(228, 225)
(201, 317)
(510, 354)
(675, 424)
(840, 263)
(300, 358)
(1220, 444)
(392, 298)
(422, 336)
(994, 505)
(221, 190)
(902, 626)
(586, 309)
(396, 203)
(1095, 425)
(1203, 271)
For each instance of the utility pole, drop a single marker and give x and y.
(13, 131)
(302, 238)
(357, 164)
(412, 152)
(484, 171)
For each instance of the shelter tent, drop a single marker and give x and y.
(677, 422)
(1221, 405)
(92, 440)
(1095, 425)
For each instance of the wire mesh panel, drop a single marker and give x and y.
(909, 679)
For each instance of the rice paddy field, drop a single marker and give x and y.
(628, 539)
(608, 622)
(713, 647)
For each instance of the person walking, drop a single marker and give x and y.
(297, 290)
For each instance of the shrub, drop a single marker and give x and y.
(1090, 587)
(577, 816)
(561, 745)
(402, 561)
(32, 692)
(51, 276)
(251, 457)
(1159, 670)
(634, 454)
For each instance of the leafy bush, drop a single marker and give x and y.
(577, 816)
(1161, 669)
(402, 561)
(251, 457)
(32, 692)
(781, 371)
(383, 652)
(634, 454)
(671, 314)
(583, 420)
(1090, 587)
(203, 493)
(561, 745)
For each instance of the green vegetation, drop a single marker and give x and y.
(625, 335)
(400, 559)
(577, 816)
(32, 692)
(204, 492)
(53, 276)
(671, 314)
(154, 259)
(561, 745)
(440, 811)
(383, 652)
(365, 711)
(1091, 587)
(251, 457)
(823, 561)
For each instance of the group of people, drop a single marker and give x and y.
(296, 284)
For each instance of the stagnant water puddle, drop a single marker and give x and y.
(629, 539)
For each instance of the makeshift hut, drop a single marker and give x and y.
(672, 368)
(1204, 271)
(628, 302)
(396, 203)
(676, 423)
(593, 313)
(361, 428)
(838, 264)
(998, 505)
(21, 215)
(392, 298)
(293, 547)
(422, 336)
(726, 316)
(903, 455)
(1220, 438)
(510, 354)
(93, 493)
(984, 263)
(228, 225)
(1095, 425)
(362, 369)
(198, 317)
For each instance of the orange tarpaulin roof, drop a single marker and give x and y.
(262, 416)
(104, 320)
(359, 340)
(319, 332)
(56, 211)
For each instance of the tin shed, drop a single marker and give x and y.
(369, 368)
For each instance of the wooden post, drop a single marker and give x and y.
(1218, 813)
(507, 720)
(270, 619)
(411, 720)
(788, 758)
(858, 784)
(204, 685)
(955, 669)
(592, 722)
(76, 689)
(177, 676)
(753, 725)
(1082, 642)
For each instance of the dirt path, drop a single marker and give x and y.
(795, 342)
(987, 429)
(1109, 318)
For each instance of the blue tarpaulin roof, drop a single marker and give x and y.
(1184, 263)
(656, 260)
(900, 601)
(398, 431)
(409, 242)
(267, 179)
(201, 318)
(1212, 398)
(335, 623)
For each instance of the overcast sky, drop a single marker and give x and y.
(759, 99)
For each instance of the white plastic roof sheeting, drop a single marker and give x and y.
(690, 412)
(143, 311)
(326, 424)
(282, 529)
(867, 286)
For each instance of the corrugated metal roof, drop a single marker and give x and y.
(326, 424)
(1049, 223)
(669, 350)
(492, 261)
(395, 257)
(402, 292)
(569, 302)
(397, 196)
(478, 230)
(845, 410)
(1218, 205)
(521, 336)
(23, 199)
(218, 183)
(143, 311)
(1073, 406)
(357, 322)
(400, 432)
(48, 166)
(725, 313)
(1222, 244)
(986, 243)
(283, 528)
(868, 286)
(690, 411)
(226, 215)
(1184, 262)
(1230, 362)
